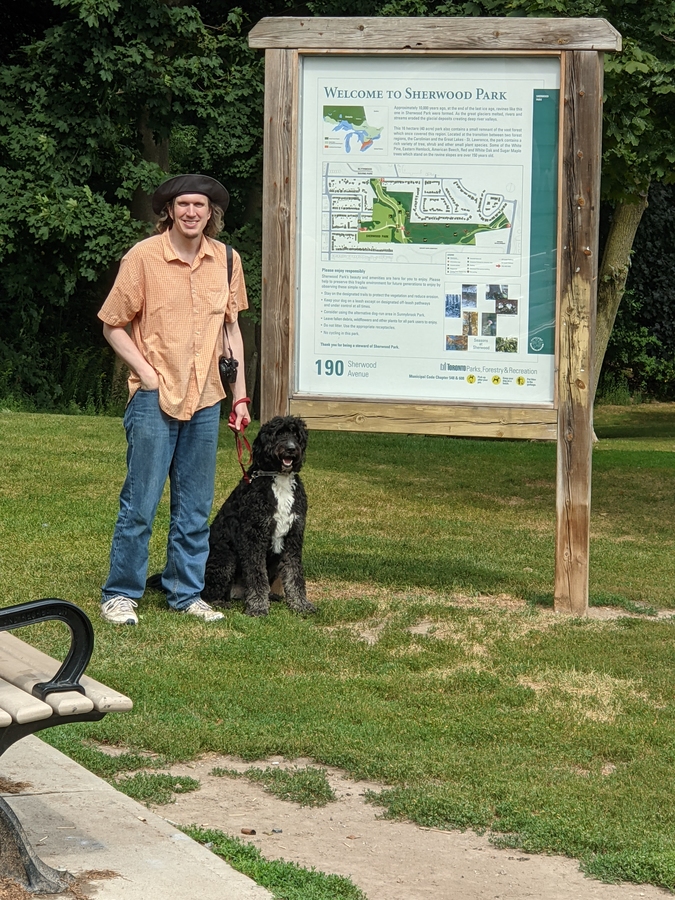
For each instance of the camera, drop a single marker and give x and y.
(227, 365)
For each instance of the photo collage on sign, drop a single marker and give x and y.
(481, 317)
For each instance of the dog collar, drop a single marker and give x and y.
(269, 474)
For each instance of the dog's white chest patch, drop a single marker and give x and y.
(283, 487)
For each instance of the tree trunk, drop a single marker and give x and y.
(613, 274)
(141, 203)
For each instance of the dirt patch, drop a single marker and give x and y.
(319, 591)
(387, 860)
(614, 612)
(370, 635)
(9, 890)
(7, 786)
(589, 695)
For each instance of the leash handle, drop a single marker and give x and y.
(232, 418)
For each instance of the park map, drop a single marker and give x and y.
(393, 211)
(403, 209)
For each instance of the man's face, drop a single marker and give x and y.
(191, 213)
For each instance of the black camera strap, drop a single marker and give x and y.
(230, 265)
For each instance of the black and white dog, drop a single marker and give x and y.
(257, 534)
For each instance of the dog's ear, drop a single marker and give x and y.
(264, 443)
(301, 432)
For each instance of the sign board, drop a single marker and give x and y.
(430, 233)
(427, 229)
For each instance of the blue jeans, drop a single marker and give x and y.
(159, 446)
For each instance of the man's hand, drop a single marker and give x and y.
(239, 417)
(149, 381)
(129, 353)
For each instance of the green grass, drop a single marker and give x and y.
(156, 788)
(219, 772)
(102, 764)
(435, 665)
(307, 786)
(285, 880)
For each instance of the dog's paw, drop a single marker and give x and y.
(257, 609)
(221, 604)
(302, 606)
(154, 583)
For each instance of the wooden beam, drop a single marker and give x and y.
(278, 236)
(412, 33)
(418, 418)
(582, 136)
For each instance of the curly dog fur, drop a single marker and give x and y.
(257, 534)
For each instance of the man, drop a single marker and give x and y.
(172, 290)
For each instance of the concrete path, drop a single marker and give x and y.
(77, 821)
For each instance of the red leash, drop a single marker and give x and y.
(240, 439)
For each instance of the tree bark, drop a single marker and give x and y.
(613, 274)
(141, 203)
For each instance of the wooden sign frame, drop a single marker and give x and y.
(579, 43)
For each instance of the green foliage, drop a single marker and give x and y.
(72, 159)
(158, 789)
(285, 880)
(639, 130)
(105, 765)
(307, 786)
(55, 241)
(642, 867)
(640, 358)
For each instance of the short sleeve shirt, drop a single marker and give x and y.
(177, 312)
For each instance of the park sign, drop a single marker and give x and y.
(430, 231)
(427, 229)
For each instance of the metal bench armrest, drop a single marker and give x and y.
(81, 639)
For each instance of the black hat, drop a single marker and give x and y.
(190, 184)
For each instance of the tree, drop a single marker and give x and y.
(640, 355)
(82, 110)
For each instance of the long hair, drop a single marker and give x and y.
(213, 227)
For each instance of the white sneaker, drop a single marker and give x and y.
(202, 610)
(120, 611)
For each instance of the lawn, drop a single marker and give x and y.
(435, 665)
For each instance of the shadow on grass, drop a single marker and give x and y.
(399, 570)
(642, 421)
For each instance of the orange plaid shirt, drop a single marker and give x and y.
(177, 312)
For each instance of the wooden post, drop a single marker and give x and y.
(582, 134)
(278, 237)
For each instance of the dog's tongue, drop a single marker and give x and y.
(287, 462)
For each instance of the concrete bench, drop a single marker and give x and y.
(36, 693)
